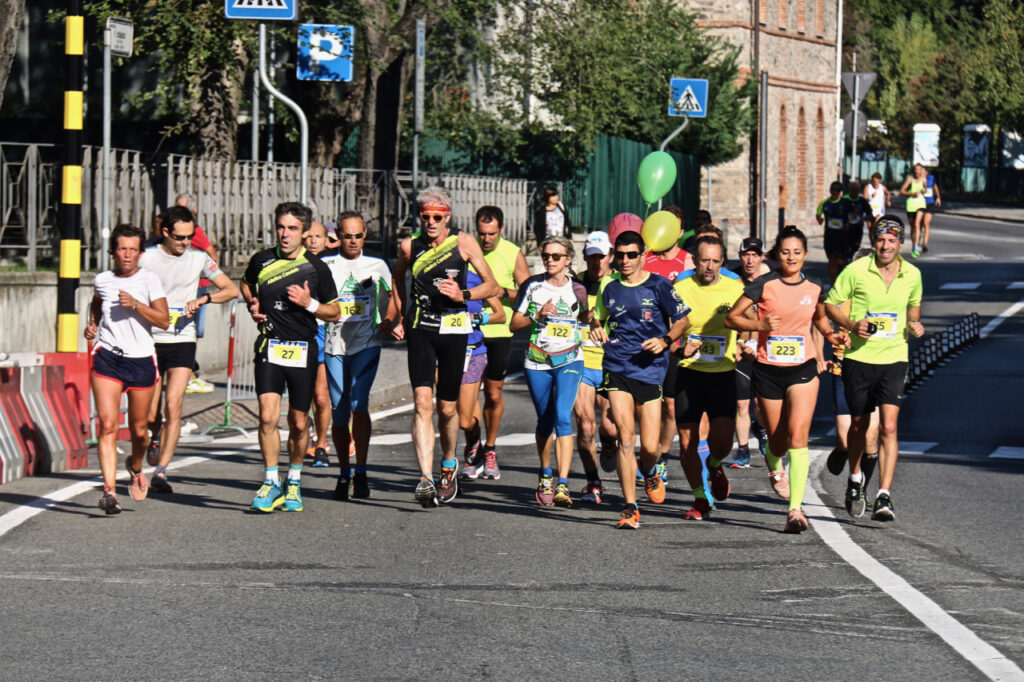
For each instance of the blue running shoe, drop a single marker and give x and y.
(662, 468)
(292, 496)
(268, 497)
(741, 460)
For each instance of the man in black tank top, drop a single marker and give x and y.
(435, 325)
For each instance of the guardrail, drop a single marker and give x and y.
(241, 366)
(938, 349)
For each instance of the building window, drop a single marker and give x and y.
(801, 160)
(762, 11)
(819, 18)
(783, 156)
(819, 150)
(801, 16)
(784, 13)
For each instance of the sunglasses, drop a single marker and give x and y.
(433, 217)
(553, 256)
(631, 255)
(352, 235)
(182, 237)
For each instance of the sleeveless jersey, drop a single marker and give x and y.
(502, 261)
(432, 265)
(915, 203)
(876, 197)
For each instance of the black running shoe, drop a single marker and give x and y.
(836, 461)
(153, 450)
(341, 489)
(159, 484)
(883, 510)
(855, 502)
(867, 467)
(360, 486)
(320, 458)
(108, 503)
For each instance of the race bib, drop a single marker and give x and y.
(887, 324)
(287, 353)
(455, 323)
(928, 192)
(176, 314)
(558, 330)
(786, 350)
(354, 308)
(712, 348)
(835, 223)
(469, 356)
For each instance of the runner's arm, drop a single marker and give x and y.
(226, 291)
(497, 314)
(739, 320)
(471, 252)
(905, 188)
(95, 314)
(155, 313)
(938, 196)
(914, 320)
(520, 274)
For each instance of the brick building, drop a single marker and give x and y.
(796, 43)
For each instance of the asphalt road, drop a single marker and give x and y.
(196, 586)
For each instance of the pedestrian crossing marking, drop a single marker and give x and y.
(1007, 452)
(1016, 285)
(915, 447)
(688, 101)
(960, 286)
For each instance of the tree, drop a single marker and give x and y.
(11, 13)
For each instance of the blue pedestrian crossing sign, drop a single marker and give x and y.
(263, 10)
(325, 52)
(688, 97)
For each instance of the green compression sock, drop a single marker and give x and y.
(774, 463)
(799, 465)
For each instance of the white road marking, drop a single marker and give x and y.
(960, 235)
(960, 286)
(912, 447)
(962, 639)
(508, 440)
(1002, 317)
(399, 409)
(1007, 452)
(1015, 285)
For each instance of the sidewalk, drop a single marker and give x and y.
(1013, 214)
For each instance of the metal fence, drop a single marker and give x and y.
(235, 200)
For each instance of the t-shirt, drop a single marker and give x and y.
(666, 267)
(201, 242)
(861, 283)
(791, 344)
(876, 198)
(475, 340)
(592, 352)
(835, 212)
(709, 304)
(363, 284)
(929, 193)
(502, 262)
(724, 272)
(269, 276)
(122, 329)
(560, 332)
(554, 222)
(859, 210)
(633, 313)
(179, 276)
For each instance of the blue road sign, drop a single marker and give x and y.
(688, 97)
(325, 52)
(263, 10)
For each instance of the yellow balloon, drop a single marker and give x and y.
(661, 231)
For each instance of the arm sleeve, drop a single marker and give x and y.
(915, 292)
(154, 287)
(385, 275)
(522, 302)
(841, 289)
(252, 272)
(672, 304)
(326, 290)
(210, 267)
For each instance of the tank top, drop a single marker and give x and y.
(915, 203)
(876, 197)
(431, 265)
(502, 261)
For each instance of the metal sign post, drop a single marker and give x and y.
(421, 40)
(688, 98)
(303, 124)
(857, 85)
(117, 41)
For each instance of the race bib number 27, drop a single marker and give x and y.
(287, 353)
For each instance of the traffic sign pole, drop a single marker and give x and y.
(105, 189)
(421, 39)
(303, 124)
(664, 143)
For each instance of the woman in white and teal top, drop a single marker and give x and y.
(553, 305)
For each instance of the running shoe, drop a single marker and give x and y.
(292, 496)
(159, 484)
(469, 454)
(269, 497)
(700, 510)
(655, 488)
(360, 486)
(780, 483)
(491, 469)
(426, 493)
(836, 461)
(593, 491)
(472, 468)
(741, 460)
(867, 467)
(108, 503)
(719, 483)
(662, 468)
(562, 497)
(915, 252)
(855, 502)
(341, 488)
(607, 457)
(198, 385)
(545, 493)
(796, 522)
(762, 444)
(139, 486)
(630, 518)
(883, 510)
(320, 458)
(449, 486)
(153, 451)
(924, 248)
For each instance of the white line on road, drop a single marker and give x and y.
(911, 447)
(399, 409)
(960, 235)
(961, 286)
(962, 639)
(1002, 317)
(1015, 285)
(1007, 452)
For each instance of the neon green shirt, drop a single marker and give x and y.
(502, 262)
(710, 304)
(861, 283)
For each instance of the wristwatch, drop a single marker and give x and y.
(667, 339)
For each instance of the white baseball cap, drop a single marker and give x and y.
(597, 242)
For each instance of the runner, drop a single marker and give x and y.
(833, 212)
(878, 197)
(287, 289)
(508, 265)
(859, 215)
(315, 242)
(553, 305)
(932, 202)
(470, 415)
(885, 295)
(638, 317)
(706, 384)
(128, 302)
(751, 267)
(369, 310)
(788, 364)
(597, 254)
(435, 326)
(179, 268)
(913, 189)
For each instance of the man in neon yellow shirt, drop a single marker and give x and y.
(885, 304)
(508, 264)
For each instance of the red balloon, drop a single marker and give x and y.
(624, 222)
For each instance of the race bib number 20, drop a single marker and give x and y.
(455, 323)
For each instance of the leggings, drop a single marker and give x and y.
(553, 392)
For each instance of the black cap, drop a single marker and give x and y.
(752, 244)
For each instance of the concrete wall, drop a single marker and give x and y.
(28, 317)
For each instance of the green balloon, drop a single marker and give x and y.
(656, 176)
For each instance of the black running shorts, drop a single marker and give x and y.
(771, 381)
(171, 355)
(444, 354)
(498, 350)
(300, 382)
(642, 393)
(699, 392)
(867, 386)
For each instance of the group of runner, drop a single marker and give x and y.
(600, 348)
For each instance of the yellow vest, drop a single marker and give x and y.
(502, 262)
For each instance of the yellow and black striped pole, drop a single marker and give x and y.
(71, 182)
